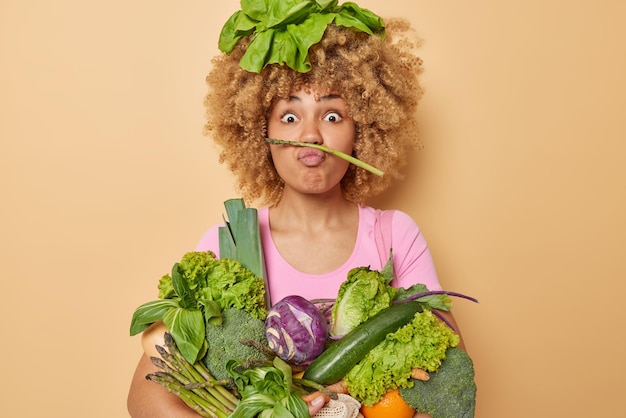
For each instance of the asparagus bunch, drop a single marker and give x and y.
(192, 383)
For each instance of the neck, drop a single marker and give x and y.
(311, 211)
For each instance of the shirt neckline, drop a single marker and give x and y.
(277, 257)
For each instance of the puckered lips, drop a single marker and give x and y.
(311, 157)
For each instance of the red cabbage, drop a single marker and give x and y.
(296, 330)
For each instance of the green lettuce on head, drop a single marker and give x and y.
(362, 295)
(284, 30)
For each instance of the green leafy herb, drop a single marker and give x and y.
(285, 30)
(267, 391)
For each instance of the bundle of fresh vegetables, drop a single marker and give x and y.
(206, 330)
(207, 306)
(226, 352)
(194, 296)
(394, 338)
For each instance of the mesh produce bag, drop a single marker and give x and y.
(344, 407)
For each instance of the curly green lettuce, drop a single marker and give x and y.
(194, 296)
(362, 295)
(422, 343)
(223, 281)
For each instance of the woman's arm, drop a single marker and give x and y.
(147, 399)
(450, 318)
(150, 400)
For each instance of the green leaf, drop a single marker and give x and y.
(387, 270)
(296, 405)
(327, 5)
(441, 302)
(302, 37)
(187, 329)
(282, 365)
(255, 57)
(233, 208)
(279, 411)
(255, 9)
(228, 38)
(248, 253)
(275, 39)
(266, 391)
(150, 312)
(282, 13)
(351, 15)
(283, 49)
(311, 31)
(254, 404)
(187, 299)
(228, 249)
(212, 312)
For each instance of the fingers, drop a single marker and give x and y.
(315, 401)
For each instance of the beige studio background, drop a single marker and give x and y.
(106, 180)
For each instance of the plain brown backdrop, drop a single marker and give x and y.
(106, 180)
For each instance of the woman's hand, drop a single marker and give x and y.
(315, 401)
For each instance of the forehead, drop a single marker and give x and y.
(303, 98)
(289, 88)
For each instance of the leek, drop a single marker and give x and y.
(240, 239)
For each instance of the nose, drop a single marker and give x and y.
(311, 133)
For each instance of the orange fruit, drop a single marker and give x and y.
(391, 405)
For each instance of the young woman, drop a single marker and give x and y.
(358, 94)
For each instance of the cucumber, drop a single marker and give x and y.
(341, 356)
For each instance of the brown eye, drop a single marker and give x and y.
(332, 117)
(289, 118)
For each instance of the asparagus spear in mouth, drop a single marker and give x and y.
(323, 148)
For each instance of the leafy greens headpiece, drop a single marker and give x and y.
(284, 30)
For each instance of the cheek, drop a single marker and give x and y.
(275, 130)
(276, 155)
(345, 141)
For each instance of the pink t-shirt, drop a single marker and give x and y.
(412, 259)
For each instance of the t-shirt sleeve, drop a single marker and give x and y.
(413, 262)
(210, 241)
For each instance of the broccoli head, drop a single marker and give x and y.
(450, 392)
(224, 341)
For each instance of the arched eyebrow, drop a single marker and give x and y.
(331, 96)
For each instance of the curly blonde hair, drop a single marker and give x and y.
(378, 78)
